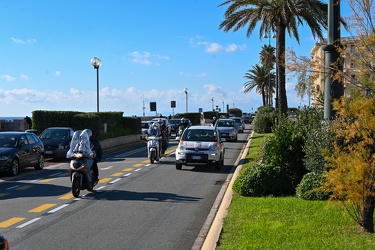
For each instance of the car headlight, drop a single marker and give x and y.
(3, 157)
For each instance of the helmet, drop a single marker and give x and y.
(88, 131)
(160, 121)
(182, 120)
(214, 117)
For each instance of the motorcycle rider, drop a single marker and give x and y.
(81, 144)
(184, 122)
(164, 132)
(154, 130)
(98, 153)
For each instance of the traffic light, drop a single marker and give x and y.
(173, 104)
(152, 106)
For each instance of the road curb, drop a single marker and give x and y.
(214, 221)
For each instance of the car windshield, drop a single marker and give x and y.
(225, 123)
(8, 141)
(174, 121)
(145, 125)
(54, 134)
(199, 135)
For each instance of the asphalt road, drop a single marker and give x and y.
(136, 205)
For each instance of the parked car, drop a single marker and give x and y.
(174, 123)
(228, 128)
(145, 126)
(4, 245)
(200, 146)
(56, 141)
(240, 123)
(20, 150)
(166, 122)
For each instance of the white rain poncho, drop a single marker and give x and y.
(80, 144)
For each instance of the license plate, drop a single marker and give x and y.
(196, 157)
(48, 152)
(224, 134)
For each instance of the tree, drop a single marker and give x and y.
(277, 16)
(262, 79)
(352, 162)
(268, 59)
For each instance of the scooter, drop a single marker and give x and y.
(79, 174)
(154, 148)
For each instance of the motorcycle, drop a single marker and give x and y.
(80, 176)
(154, 148)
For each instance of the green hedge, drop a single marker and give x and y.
(103, 124)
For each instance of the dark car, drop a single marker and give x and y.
(3, 243)
(174, 123)
(56, 141)
(20, 150)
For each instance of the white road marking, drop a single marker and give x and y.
(57, 209)
(28, 223)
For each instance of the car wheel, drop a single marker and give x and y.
(218, 165)
(40, 164)
(14, 167)
(178, 166)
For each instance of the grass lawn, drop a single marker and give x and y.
(288, 222)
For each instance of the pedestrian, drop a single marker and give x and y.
(28, 120)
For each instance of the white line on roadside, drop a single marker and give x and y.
(36, 180)
(55, 174)
(28, 223)
(99, 188)
(126, 175)
(116, 180)
(137, 169)
(10, 188)
(57, 209)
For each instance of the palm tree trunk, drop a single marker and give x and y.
(280, 66)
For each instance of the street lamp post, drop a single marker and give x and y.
(96, 62)
(223, 106)
(186, 93)
(212, 100)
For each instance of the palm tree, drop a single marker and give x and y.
(277, 16)
(259, 77)
(267, 56)
(268, 59)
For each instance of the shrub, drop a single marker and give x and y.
(310, 188)
(263, 180)
(264, 120)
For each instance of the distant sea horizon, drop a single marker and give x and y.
(11, 118)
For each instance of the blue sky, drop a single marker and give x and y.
(150, 52)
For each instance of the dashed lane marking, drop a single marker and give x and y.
(58, 208)
(117, 174)
(3, 194)
(42, 208)
(68, 196)
(23, 187)
(28, 223)
(105, 180)
(128, 169)
(47, 180)
(11, 222)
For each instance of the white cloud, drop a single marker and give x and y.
(8, 78)
(21, 41)
(25, 77)
(146, 58)
(216, 47)
(57, 73)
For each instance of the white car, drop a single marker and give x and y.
(228, 128)
(200, 146)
